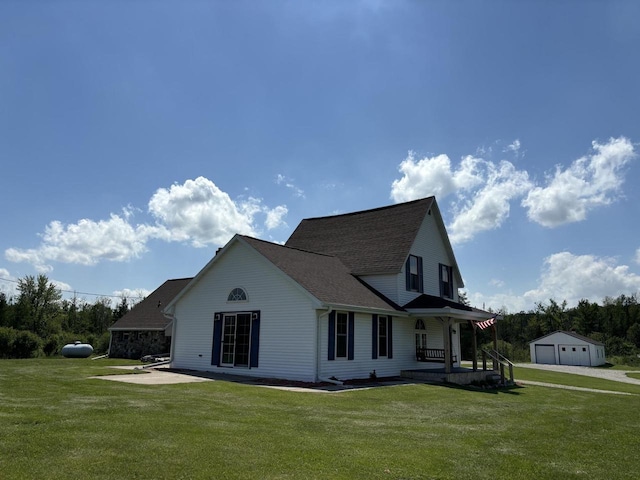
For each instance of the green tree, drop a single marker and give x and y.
(37, 303)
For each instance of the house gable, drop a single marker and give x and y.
(370, 242)
(148, 314)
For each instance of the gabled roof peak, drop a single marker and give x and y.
(373, 210)
(368, 242)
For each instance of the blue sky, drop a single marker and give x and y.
(137, 137)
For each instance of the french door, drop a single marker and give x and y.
(236, 339)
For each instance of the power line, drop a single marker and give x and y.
(75, 292)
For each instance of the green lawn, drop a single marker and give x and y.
(57, 423)
(584, 381)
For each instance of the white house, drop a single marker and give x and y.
(567, 348)
(346, 295)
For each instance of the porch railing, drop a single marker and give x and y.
(499, 363)
(433, 355)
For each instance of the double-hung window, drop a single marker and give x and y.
(413, 269)
(341, 335)
(382, 338)
(446, 281)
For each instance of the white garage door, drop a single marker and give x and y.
(545, 354)
(574, 355)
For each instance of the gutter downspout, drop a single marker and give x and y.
(171, 317)
(319, 351)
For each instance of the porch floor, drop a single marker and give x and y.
(458, 375)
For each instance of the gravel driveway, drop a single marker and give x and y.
(606, 373)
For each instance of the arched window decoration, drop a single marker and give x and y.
(420, 324)
(237, 295)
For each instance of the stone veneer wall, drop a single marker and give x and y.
(136, 344)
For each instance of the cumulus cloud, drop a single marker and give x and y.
(483, 189)
(434, 176)
(196, 211)
(275, 217)
(589, 182)
(84, 243)
(490, 205)
(573, 277)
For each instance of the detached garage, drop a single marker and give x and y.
(567, 348)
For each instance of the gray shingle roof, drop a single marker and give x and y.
(147, 315)
(369, 242)
(571, 334)
(323, 276)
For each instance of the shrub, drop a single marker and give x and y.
(102, 343)
(26, 345)
(7, 337)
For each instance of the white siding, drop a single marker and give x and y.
(287, 323)
(430, 246)
(385, 284)
(593, 356)
(404, 349)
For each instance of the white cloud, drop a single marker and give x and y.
(573, 277)
(494, 282)
(434, 176)
(8, 284)
(490, 205)
(196, 211)
(513, 147)
(275, 217)
(590, 182)
(85, 243)
(287, 182)
(133, 295)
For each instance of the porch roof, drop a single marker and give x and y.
(432, 306)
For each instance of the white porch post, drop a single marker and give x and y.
(446, 335)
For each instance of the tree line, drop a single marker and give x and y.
(615, 323)
(38, 321)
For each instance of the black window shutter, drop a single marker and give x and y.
(217, 339)
(407, 271)
(420, 276)
(440, 279)
(374, 336)
(351, 331)
(255, 339)
(390, 337)
(332, 336)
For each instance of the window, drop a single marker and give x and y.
(421, 334)
(413, 270)
(236, 337)
(341, 332)
(446, 281)
(382, 336)
(237, 295)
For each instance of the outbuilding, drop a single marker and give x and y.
(567, 348)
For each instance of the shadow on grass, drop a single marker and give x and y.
(351, 385)
(508, 390)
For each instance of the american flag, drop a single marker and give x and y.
(486, 323)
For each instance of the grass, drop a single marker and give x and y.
(55, 422)
(583, 381)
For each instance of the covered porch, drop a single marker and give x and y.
(451, 316)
